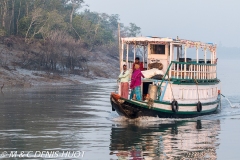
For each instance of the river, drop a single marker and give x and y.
(55, 122)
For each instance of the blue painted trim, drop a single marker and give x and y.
(164, 90)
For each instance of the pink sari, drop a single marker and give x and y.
(136, 78)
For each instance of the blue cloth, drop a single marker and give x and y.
(137, 91)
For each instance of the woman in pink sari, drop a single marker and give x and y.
(136, 83)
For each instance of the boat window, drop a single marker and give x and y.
(158, 49)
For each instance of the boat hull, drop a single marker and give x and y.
(134, 109)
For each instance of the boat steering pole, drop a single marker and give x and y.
(222, 94)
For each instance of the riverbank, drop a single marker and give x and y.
(27, 78)
(27, 65)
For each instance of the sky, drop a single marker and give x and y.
(215, 21)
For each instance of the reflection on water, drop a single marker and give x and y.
(167, 140)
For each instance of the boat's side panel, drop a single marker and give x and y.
(187, 94)
(190, 108)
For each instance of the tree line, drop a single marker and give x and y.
(60, 31)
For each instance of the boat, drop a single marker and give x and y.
(187, 86)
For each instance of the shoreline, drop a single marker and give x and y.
(23, 78)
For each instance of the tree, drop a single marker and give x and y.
(36, 14)
(131, 31)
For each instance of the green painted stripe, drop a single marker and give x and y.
(192, 63)
(179, 112)
(192, 82)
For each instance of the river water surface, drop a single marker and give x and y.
(79, 119)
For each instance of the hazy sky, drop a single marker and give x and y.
(216, 21)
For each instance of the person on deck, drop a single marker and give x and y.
(137, 61)
(124, 78)
(136, 83)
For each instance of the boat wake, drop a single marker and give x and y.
(114, 117)
(235, 105)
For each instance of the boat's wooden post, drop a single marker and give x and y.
(211, 66)
(206, 72)
(190, 71)
(128, 66)
(170, 60)
(215, 63)
(178, 53)
(185, 60)
(121, 57)
(195, 73)
(119, 47)
(177, 70)
(181, 72)
(211, 58)
(146, 52)
(121, 50)
(134, 52)
(198, 67)
(144, 56)
(205, 61)
(214, 58)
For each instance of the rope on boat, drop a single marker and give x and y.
(197, 88)
(199, 104)
(174, 103)
(171, 88)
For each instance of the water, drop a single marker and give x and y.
(79, 118)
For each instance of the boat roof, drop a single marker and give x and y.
(164, 40)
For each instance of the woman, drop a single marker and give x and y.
(136, 83)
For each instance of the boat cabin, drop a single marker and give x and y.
(181, 61)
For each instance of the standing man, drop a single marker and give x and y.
(124, 78)
(137, 61)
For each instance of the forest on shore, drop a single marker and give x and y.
(59, 36)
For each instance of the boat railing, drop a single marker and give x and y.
(192, 70)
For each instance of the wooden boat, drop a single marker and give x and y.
(188, 87)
